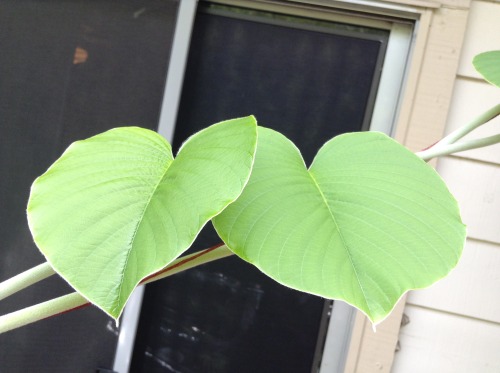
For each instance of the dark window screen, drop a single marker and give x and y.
(68, 70)
(309, 81)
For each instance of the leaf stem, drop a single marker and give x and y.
(25, 279)
(190, 261)
(448, 144)
(75, 301)
(40, 311)
(464, 130)
(458, 147)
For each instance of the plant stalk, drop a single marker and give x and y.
(464, 130)
(40, 311)
(190, 261)
(25, 279)
(438, 151)
(448, 144)
(75, 301)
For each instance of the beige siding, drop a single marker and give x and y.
(476, 186)
(471, 289)
(483, 34)
(454, 326)
(445, 343)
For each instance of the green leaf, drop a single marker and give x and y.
(488, 65)
(116, 207)
(368, 221)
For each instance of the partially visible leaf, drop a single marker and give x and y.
(117, 207)
(488, 65)
(368, 221)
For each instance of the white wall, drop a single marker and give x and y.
(454, 326)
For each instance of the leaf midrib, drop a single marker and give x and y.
(346, 247)
(139, 222)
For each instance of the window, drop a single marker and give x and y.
(312, 78)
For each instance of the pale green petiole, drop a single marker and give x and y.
(477, 122)
(40, 311)
(74, 300)
(25, 279)
(191, 261)
(438, 151)
(448, 144)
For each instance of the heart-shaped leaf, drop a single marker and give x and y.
(117, 207)
(488, 65)
(368, 221)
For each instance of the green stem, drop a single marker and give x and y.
(448, 144)
(74, 300)
(40, 311)
(437, 151)
(190, 261)
(464, 130)
(25, 279)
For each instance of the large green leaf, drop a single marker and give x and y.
(368, 221)
(488, 65)
(116, 207)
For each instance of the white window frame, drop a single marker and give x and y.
(401, 21)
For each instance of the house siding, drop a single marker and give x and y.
(454, 326)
